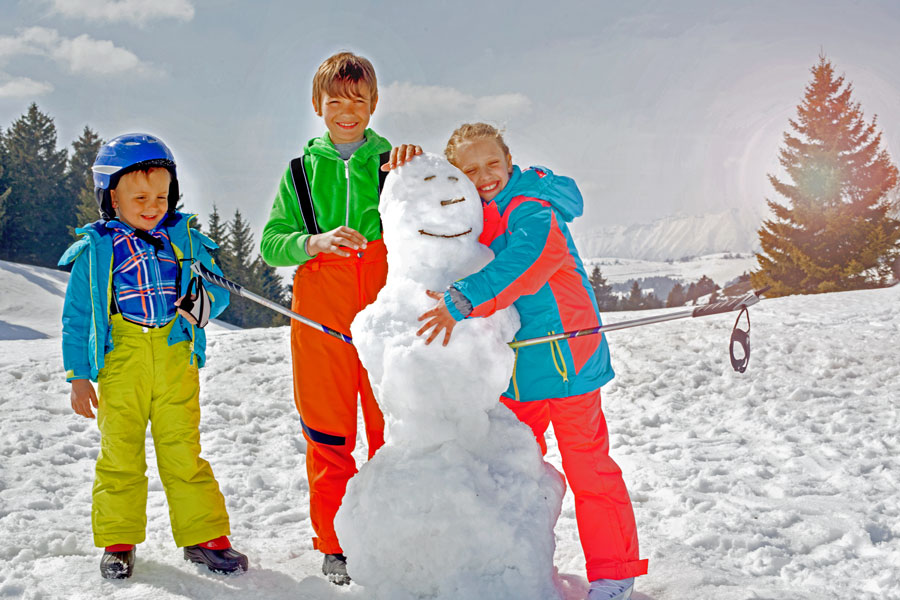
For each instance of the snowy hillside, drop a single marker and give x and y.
(675, 237)
(783, 482)
(721, 268)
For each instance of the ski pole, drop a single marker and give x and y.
(725, 306)
(701, 311)
(231, 286)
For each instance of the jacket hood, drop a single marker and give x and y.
(540, 182)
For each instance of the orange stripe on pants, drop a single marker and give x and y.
(603, 509)
(328, 377)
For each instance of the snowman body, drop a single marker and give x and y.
(458, 503)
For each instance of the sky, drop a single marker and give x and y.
(655, 108)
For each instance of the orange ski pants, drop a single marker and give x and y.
(328, 377)
(603, 509)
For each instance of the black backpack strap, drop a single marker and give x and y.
(304, 197)
(382, 175)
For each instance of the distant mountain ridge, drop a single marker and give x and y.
(675, 237)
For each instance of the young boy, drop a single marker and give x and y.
(325, 219)
(124, 328)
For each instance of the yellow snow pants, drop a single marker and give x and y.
(144, 379)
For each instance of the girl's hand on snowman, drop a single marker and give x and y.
(400, 155)
(334, 241)
(438, 318)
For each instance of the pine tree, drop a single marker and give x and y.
(235, 261)
(676, 296)
(81, 179)
(271, 287)
(635, 297)
(651, 301)
(606, 299)
(835, 232)
(38, 212)
(5, 189)
(216, 232)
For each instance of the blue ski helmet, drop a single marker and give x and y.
(125, 154)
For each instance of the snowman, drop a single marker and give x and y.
(458, 503)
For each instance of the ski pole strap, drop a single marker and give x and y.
(741, 338)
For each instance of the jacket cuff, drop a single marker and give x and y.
(457, 304)
(73, 374)
(304, 253)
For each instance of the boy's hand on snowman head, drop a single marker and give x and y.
(438, 318)
(83, 397)
(400, 155)
(335, 242)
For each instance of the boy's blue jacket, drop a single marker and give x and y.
(87, 335)
(537, 268)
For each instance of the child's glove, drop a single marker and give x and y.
(194, 305)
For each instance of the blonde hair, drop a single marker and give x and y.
(341, 74)
(470, 131)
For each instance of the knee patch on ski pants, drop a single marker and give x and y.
(144, 379)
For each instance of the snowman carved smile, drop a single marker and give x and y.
(446, 235)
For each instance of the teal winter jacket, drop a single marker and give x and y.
(537, 269)
(86, 331)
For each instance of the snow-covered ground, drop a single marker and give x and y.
(782, 482)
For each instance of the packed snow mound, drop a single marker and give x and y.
(458, 503)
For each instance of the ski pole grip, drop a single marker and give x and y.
(726, 305)
(218, 280)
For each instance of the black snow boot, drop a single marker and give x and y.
(225, 561)
(117, 565)
(335, 568)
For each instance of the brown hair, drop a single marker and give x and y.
(470, 131)
(340, 75)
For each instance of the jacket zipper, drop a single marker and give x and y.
(347, 174)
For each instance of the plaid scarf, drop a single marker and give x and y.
(144, 275)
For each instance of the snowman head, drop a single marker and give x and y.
(431, 213)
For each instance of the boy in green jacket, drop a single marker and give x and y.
(325, 219)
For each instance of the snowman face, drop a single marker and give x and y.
(430, 199)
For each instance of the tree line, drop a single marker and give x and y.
(636, 299)
(46, 193)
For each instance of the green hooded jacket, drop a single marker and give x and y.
(335, 201)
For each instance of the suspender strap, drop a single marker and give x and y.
(382, 175)
(304, 198)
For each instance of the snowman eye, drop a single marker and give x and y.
(452, 178)
(454, 201)
(430, 177)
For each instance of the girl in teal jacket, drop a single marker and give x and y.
(537, 269)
